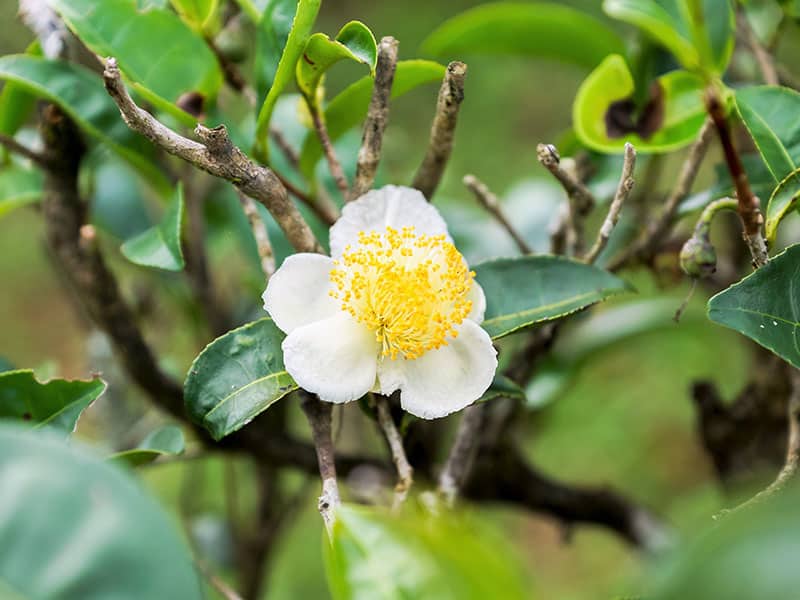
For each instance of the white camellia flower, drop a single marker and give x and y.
(394, 308)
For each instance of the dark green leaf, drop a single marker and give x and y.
(18, 187)
(605, 117)
(162, 57)
(502, 387)
(81, 528)
(302, 24)
(272, 34)
(354, 42)
(165, 441)
(537, 30)
(765, 305)
(349, 108)
(377, 556)
(56, 404)
(160, 246)
(81, 94)
(236, 377)
(523, 291)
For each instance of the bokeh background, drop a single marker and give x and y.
(625, 419)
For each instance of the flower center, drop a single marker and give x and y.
(410, 289)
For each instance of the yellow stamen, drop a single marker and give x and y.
(410, 289)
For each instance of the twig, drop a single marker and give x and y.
(623, 189)
(334, 165)
(218, 156)
(581, 200)
(369, 155)
(325, 211)
(492, 205)
(649, 241)
(233, 76)
(749, 206)
(405, 472)
(462, 453)
(260, 234)
(285, 147)
(451, 94)
(220, 586)
(766, 63)
(318, 414)
(18, 148)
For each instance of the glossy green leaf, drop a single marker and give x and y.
(698, 32)
(303, 22)
(18, 186)
(165, 441)
(236, 377)
(16, 103)
(160, 246)
(502, 387)
(353, 42)
(162, 56)
(765, 306)
(605, 118)
(521, 292)
(537, 30)
(200, 15)
(272, 33)
(349, 108)
(56, 404)
(781, 201)
(81, 94)
(82, 528)
(377, 556)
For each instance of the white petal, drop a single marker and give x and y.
(335, 358)
(392, 205)
(297, 293)
(478, 302)
(443, 381)
(391, 375)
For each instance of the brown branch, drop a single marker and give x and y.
(462, 453)
(263, 245)
(222, 588)
(233, 76)
(405, 472)
(369, 155)
(17, 148)
(451, 94)
(766, 63)
(216, 154)
(623, 190)
(318, 414)
(285, 147)
(325, 211)
(334, 165)
(492, 205)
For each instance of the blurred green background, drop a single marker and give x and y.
(626, 420)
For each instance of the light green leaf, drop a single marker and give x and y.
(272, 33)
(521, 292)
(200, 15)
(537, 30)
(165, 441)
(605, 117)
(83, 528)
(303, 22)
(765, 306)
(56, 404)
(162, 57)
(18, 187)
(160, 246)
(781, 201)
(81, 94)
(354, 42)
(503, 387)
(377, 556)
(16, 103)
(349, 108)
(236, 377)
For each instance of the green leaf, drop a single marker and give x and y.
(165, 441)
(605, 117)
(162, 56)
(236, 377)
(349, 108)
(16, 103)
(18, 187)
(292, 52)
(160, 246)
(200, 15)
(537, 30)
(56, 404)
(698, 32)
(354, 42)
(272, 33)
(81, 94)
(83, 528)
(521, 292)
(377, 556)
(765, 305)
(503, 387)
(781, 201)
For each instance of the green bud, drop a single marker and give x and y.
(698, 257)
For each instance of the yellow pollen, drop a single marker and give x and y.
(410, 289)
